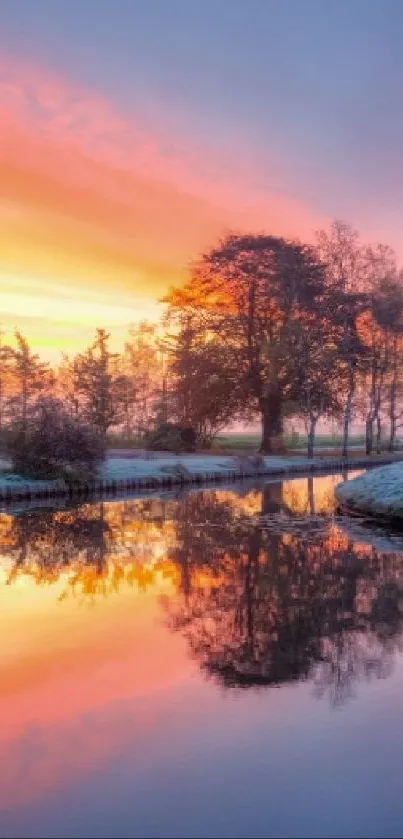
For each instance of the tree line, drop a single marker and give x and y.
(276, 328)
(66, 414)
(263, 327)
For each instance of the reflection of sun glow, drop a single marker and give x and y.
(300, 494)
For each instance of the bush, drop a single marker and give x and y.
(54, 444)
(171, 437)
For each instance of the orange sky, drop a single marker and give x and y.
(100, 212)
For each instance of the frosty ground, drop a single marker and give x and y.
(154, 470)
(378, 492)
(132, 467)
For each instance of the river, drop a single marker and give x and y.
(225, 662)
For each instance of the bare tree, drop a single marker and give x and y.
(317, 361)
(342, 254)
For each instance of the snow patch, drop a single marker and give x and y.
(377, 492)
(132, 471)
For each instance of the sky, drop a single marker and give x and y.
(135, 132)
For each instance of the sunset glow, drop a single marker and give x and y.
(100, 214)
(201, 403)
(123, 153)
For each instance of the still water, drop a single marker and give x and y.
(217, 663)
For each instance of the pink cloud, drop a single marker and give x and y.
(79, 125)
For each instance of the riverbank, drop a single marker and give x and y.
(378, 493)
(119, 474)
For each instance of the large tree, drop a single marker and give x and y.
(244, 298)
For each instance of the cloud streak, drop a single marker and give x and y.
(91, 196)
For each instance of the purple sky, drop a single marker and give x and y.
(314, 84)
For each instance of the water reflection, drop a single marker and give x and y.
(262, 593)
(273, 607)
(119, 621)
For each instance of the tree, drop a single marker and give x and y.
(94, 383)
(124, 392)
(67, 385)
(6, 358)
(340, 251)
(381, 332)
(142, 365)
(31, 376)
(395, 374)
(243, 298)
(317, 361)
(202, 396)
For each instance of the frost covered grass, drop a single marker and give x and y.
(163, 470)
(117, 468)
(186, 467)
(378, 492)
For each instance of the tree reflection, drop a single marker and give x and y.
(98, 547)
(279, 607)
(53, 540)
(262, 597)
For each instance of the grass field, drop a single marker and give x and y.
(251, 442)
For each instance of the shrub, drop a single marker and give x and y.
(171, 437)
(54, 444)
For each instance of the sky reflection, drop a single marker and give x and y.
(142, 647)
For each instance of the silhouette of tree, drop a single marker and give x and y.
(244, 299)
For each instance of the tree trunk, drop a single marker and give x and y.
(392, 434)
(24, 410)
(368, 435)
(164, 407)
(377, 416)
(311, 436)
(272, 426)
(370, 419)
(378, 434)
(392, 401)
(347, 421)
